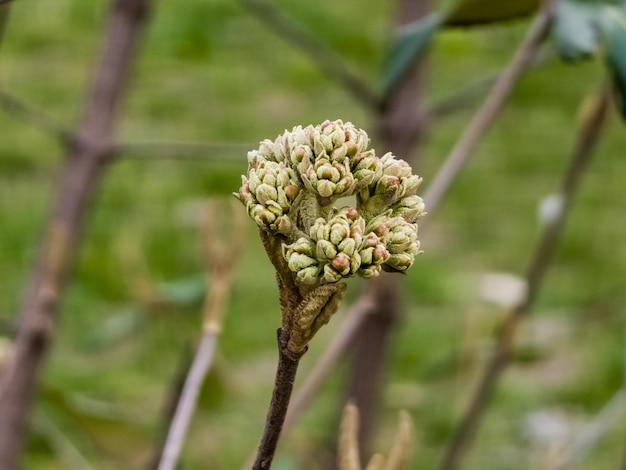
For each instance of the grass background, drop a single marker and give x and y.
(210, 72)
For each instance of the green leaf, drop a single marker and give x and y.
(613, 25)
(115, 329)
(408, 47)
(574, 30)
(480, 12)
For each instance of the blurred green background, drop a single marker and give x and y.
(208, 71)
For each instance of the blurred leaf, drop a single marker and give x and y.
(115, 328)
(408, 47)
(574, 29)
(213, 390)
(186, 292)
(613, 26)
(110, 431)
(479, 12)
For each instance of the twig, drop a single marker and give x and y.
(612, 411)
(86, 160)
(184, 150)
(283, 386)
(304, 310)
(466, 96)
(325, 59)
(341, 343)
(540, 260)
(486, 115)
(38, 117)
(220, 262)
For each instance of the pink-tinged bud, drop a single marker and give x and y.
(341, 263)
(380, 254)
(351, 213)
(291, 191)
(325, 124)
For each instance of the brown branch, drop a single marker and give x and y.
(184, 150)
(540, 260)
(465, 97)
(36, 116)
(400, 125)
(86, 160)
(486, 115)
(325, 59)
(283, 386)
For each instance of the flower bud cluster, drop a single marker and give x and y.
(290, 189)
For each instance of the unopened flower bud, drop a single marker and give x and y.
(410, 208)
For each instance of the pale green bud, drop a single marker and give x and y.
(309, 275)
(410, 208)
(266, 193)
(330, 274)
(325, 250)
(399, 262)
(402, 235)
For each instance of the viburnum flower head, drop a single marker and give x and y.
(291, 188)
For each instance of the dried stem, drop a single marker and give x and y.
(325, 59)
(540, 260)
(187, 402)
(220, 260)
(486, 115)
(85, 163)
(283, 386)
(38, 117)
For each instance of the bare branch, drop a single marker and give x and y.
(325, 59)
(86, 159)
(184, 150)
(36, 116)
(220, 263)
(467, 96)
(539, 262)
(486, 115)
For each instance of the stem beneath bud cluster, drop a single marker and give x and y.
(283, 386)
